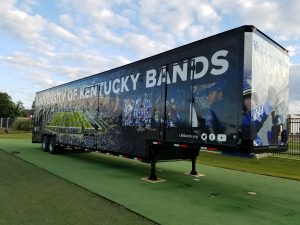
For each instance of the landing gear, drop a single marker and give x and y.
(194, 154)
(153, 156)
(193, 171)
(153, 172)
(186, 152)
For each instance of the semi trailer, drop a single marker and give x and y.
(228, 91)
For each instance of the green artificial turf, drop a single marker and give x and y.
(281, 166)
(29, 195)
(221, 197)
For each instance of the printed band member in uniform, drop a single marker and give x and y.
(253, 117)
(173, 115)
(217, 113)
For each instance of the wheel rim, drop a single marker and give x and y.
(44, 144)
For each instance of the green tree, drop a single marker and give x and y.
(33, 105)
(20, 109)
(7, 106)
(31, 111)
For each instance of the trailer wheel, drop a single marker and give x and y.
(45, 143)
(52, 147)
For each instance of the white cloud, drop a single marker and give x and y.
(142, 45)
(162, 24)
(108, 17)
(21, 25)
(294, 84)
(26, 5)
(21, 61)
(88, 6)
(205, 13)
(46, 36)
(30, 28)
(99, 12)
(41, 80)
(294, 106)
(25, 94)
(108, 35)
(120, 61)
(44, 72)
(6, 4)
(281, 18)
(61, 32)
(181, 25)
(293, 50)
(66, 20)
(85, 35)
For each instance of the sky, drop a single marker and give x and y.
(45, 43)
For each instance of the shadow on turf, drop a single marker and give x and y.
(131, 166)
(132, 169)
(137, 170)
(140, 169)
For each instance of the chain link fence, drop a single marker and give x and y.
(6, 123)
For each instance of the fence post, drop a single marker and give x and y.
(1, 122)
(7, 122)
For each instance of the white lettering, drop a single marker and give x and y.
(100, 88)
(70, 95)
(134, 80)
(81, 95)
(64, 95)
(107, 87)
(75, 93)
(182, 73)
(150, 78)
(200, 65)
(87, 92)
(124, 84)
(216, 61)
(162, 76)
(94, 91)
(116, 88)
(204, 61)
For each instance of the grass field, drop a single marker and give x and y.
(272, 166)
(13, 134)
(30, 195)
(220, 197)
(294, 147)
(70, 119)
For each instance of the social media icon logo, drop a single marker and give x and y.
(212, 137)
(221, 137)
(204, 136)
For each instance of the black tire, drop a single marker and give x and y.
(60, 148)
(53, 149)
(45, 143)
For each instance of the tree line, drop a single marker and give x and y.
(9, 109)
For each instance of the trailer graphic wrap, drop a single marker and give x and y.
(208, 93)
(265, 93)
(107, 113)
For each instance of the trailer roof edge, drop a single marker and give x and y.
(251, 28)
